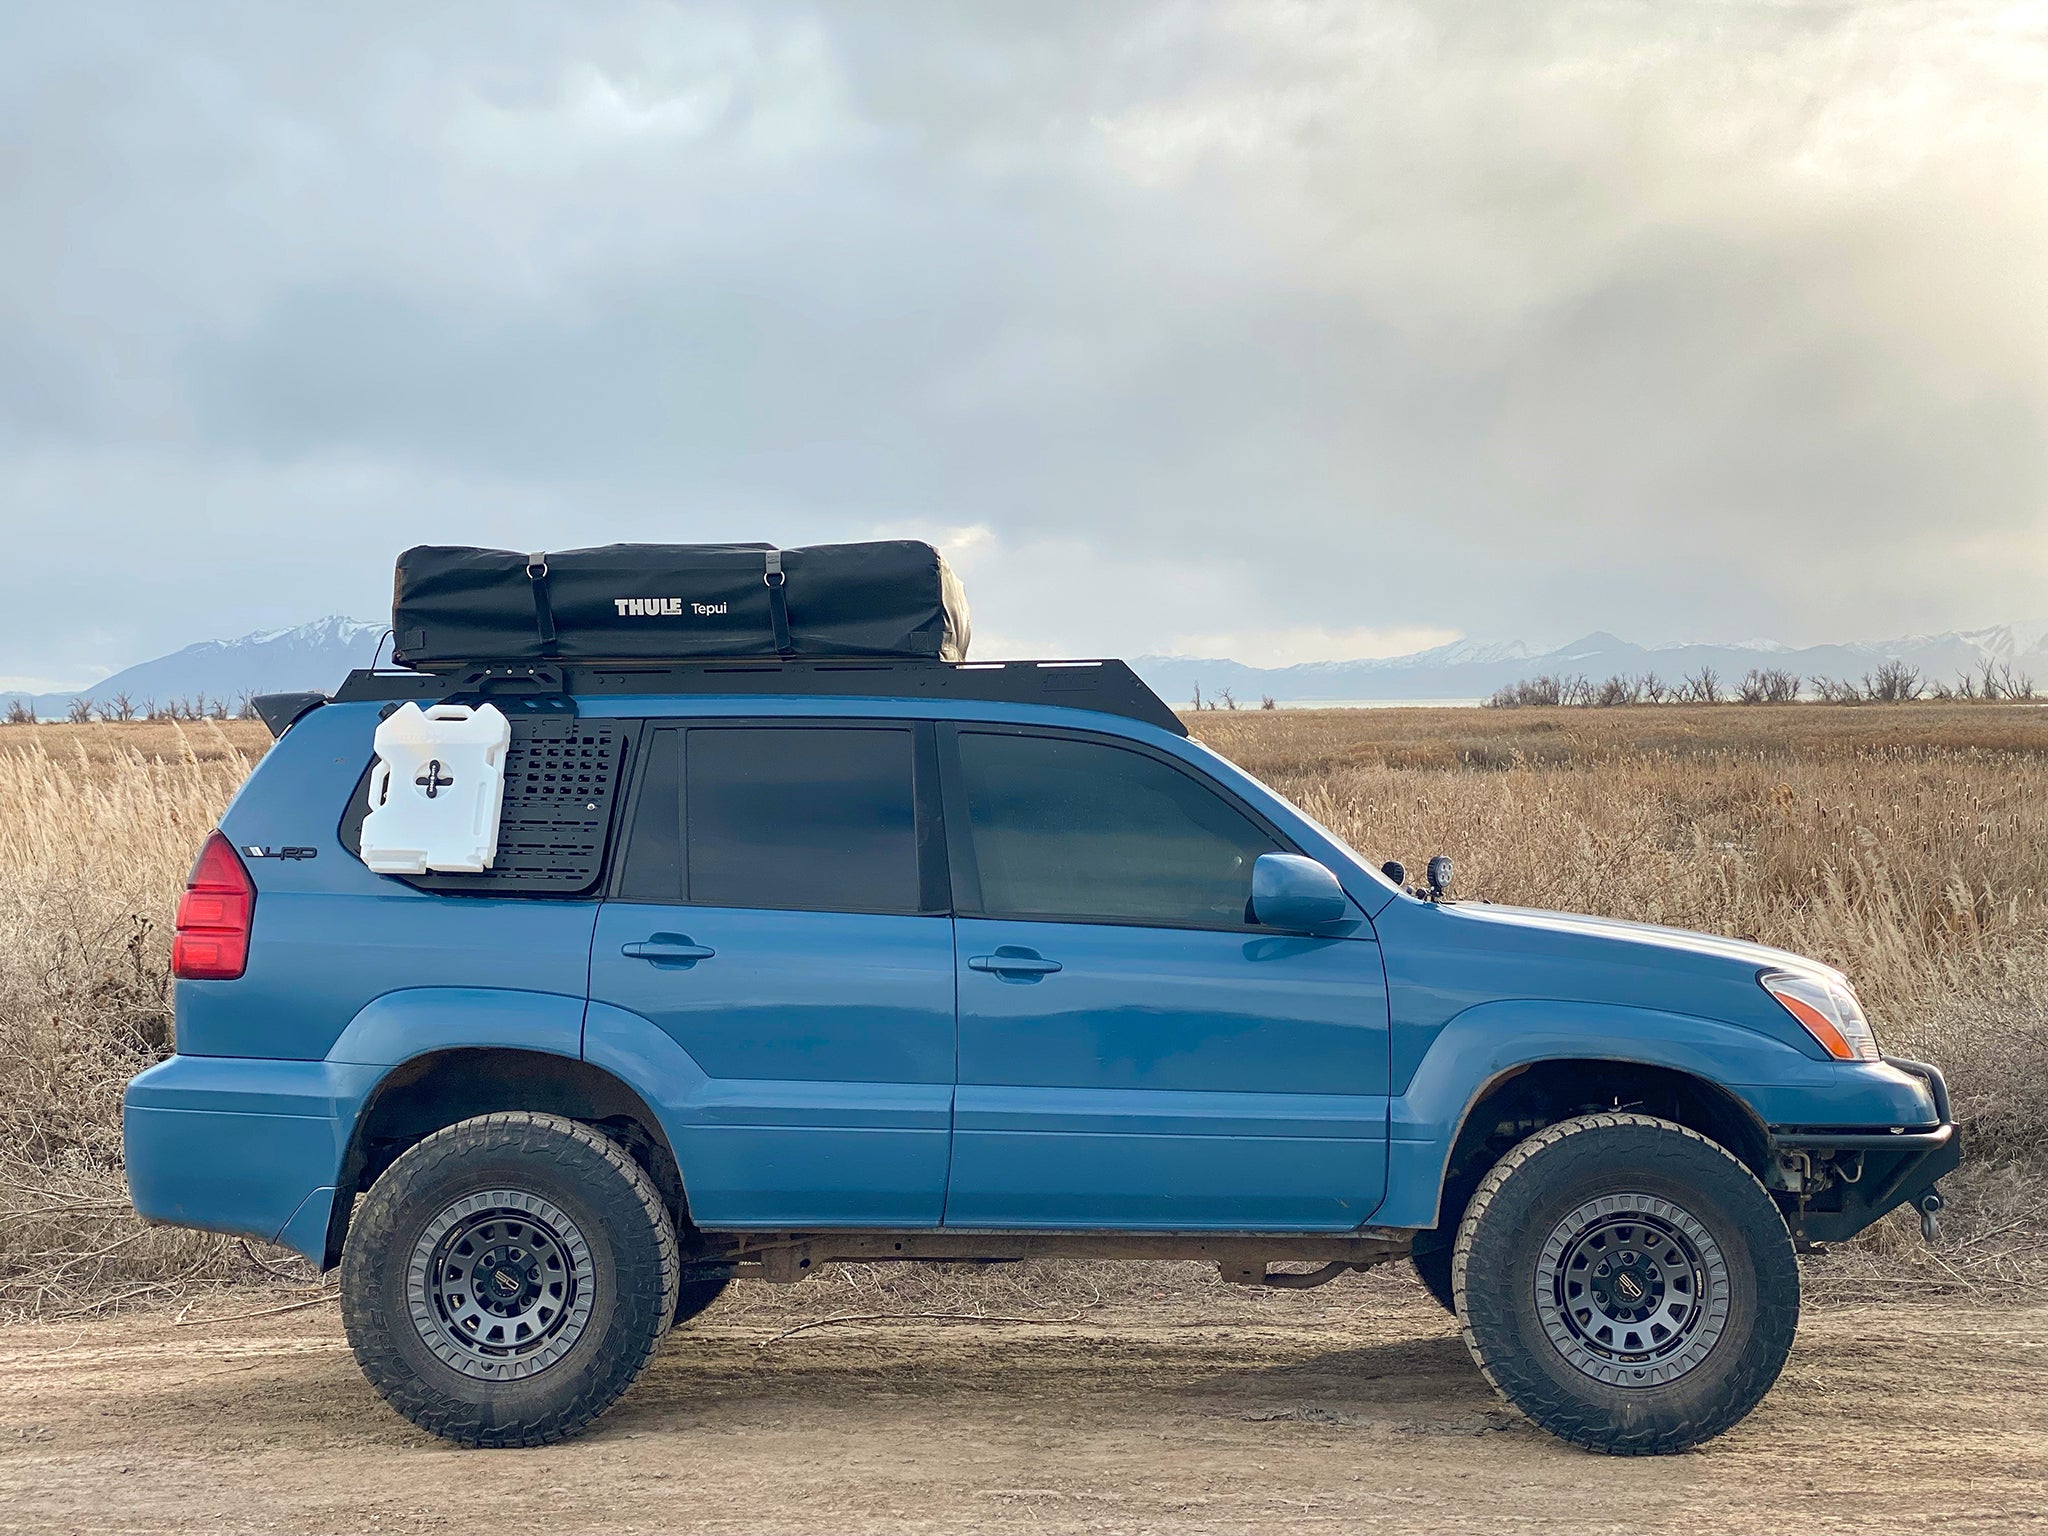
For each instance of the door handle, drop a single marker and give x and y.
(1008, 961)
(673, 948)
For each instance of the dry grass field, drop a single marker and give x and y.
(1907, 844)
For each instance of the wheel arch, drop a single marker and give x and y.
(1529, 1096)
(435, 1089)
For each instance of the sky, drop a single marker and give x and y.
(1284, 331)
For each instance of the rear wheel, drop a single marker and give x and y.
(1626, 1283)
(508, 1278)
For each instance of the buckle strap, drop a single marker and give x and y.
(543, 610)
(775, 580)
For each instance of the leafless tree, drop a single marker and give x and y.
(79, 710)
(1704, 686)
(1768, 685)
(1833, 690)
(2018, 687)
(119, 707)
(1893, 683)
(1267, 701)
(20, 712)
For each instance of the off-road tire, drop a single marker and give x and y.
(701, 1286)
(624, 1241)
(1535, 1192)
(1433, 1268)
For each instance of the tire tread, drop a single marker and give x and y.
(642, 1293)
(1553, 1407)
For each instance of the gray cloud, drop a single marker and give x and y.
(1280, 323)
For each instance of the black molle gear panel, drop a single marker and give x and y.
(562, 777)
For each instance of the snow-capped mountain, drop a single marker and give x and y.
(1466, 670)
(308, 656)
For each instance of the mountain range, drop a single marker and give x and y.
(318, 655)
(1465, 670)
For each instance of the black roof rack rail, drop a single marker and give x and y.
(1107, 687)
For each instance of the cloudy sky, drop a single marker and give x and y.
(1286, 330)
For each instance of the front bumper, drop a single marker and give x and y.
(1895, 1165)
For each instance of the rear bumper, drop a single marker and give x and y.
(1897, 1165)
(247, 1147)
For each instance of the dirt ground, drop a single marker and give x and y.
(1303, 1412)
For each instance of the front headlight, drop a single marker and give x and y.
(1827, 1010)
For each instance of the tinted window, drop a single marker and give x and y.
(1065, 828)
(816, 818)
(653, 867)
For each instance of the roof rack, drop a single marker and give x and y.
(1108, 687)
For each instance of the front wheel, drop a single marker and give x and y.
(1626, 1283)
(508, 1278)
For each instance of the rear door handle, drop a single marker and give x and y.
(1007, 961)
(673, 948)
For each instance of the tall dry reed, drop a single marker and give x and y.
(95, 842)
(1911, 850)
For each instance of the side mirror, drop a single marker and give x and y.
(1294, 892)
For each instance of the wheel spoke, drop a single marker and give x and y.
(502, 1286)
(1619, 1290)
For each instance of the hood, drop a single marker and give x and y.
(1618, 930)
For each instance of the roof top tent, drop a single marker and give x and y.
(533, 632)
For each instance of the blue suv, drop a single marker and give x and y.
(792, 963)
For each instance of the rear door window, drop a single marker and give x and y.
(820, 818)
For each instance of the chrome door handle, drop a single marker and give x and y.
(1014, 962)
(671, 949)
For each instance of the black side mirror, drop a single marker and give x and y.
(1395, 871)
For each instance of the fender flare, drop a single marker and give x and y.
(416, 1021)
(1491, 1041)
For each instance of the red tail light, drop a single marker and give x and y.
(212, 941)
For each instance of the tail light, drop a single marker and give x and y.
(212, 941)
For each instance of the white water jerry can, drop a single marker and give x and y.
(436, 790)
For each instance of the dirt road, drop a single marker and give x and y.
(1298, 1412)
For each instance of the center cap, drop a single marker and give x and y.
(506, 1282)
(1631, 1289)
